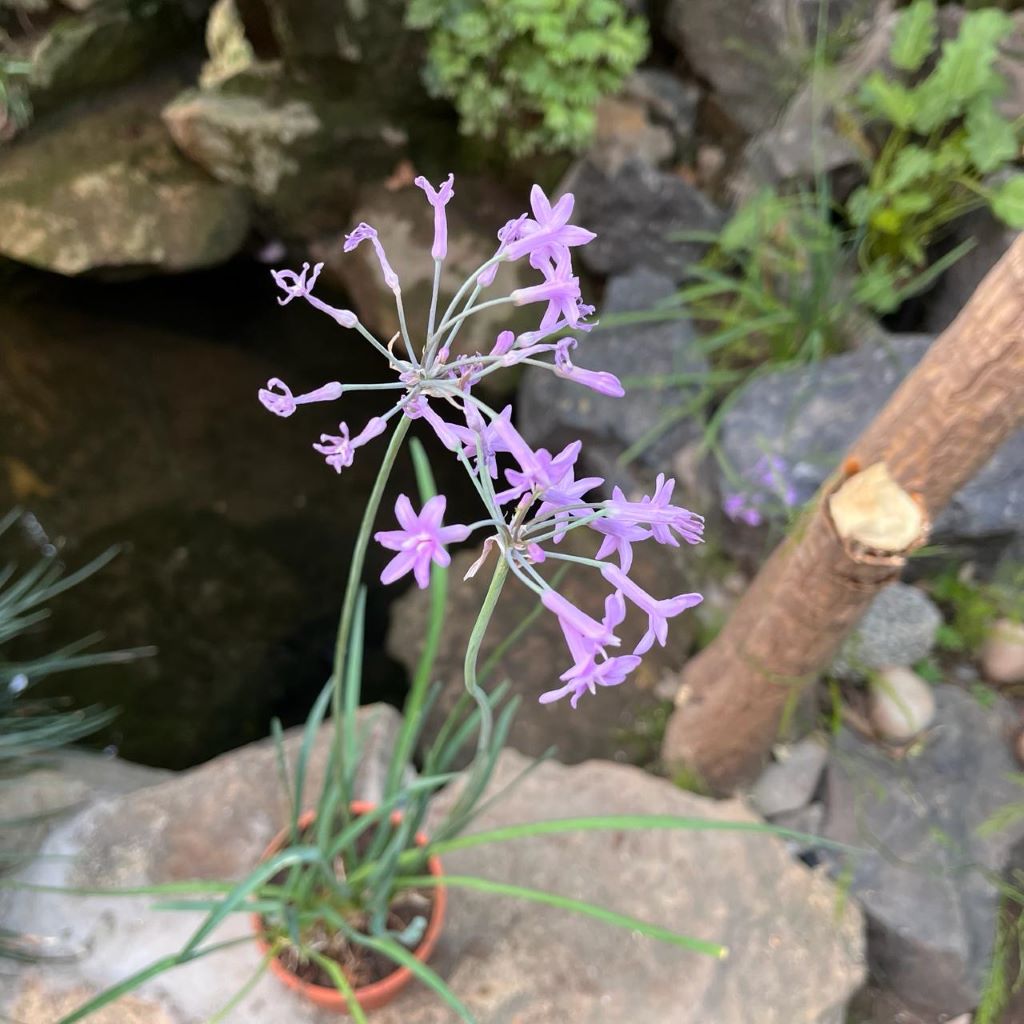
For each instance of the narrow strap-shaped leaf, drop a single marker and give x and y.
(342, 984)
(400, 955)
(263, 873)
(552, 899)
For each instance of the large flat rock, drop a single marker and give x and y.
(102, 187)
(796, 952)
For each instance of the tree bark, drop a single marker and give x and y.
(943, 423)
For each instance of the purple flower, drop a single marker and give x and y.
(421, 540)
(339, 450)
(658, 612)
(601, 381)
(448, 433)
(438, 199)
(560, 290)
(591, 665)
(609, 672)
(538, 470)
(503, 343)
(619, 537)
(363, 232)
(656, 512)
(576, 622)
(547, 236)
(295, 286)
(771, 483)
(277, 397)
(738, 509)
(508, 234)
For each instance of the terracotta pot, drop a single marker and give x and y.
(370, 997)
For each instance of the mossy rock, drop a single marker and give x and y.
(110, 43)
(102, 187)
(299, 152)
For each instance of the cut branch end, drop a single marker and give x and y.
(875, 518)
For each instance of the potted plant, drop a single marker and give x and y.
(349, 898)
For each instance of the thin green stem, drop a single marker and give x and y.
(483, 620)
(355, 573)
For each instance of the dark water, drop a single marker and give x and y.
(128, 416)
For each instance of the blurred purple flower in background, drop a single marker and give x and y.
(770, 485)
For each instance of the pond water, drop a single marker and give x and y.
(128, 416)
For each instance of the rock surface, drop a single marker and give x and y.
(899, 628)
(790, 955)
(636, 212)
(103, 46)
(555, 411)
(298, 150)
(901, 705)
(810, 416)
(746, 49)
(790, 781)
(931, 920)
(104, 188)
(615, 723)
(991, 240)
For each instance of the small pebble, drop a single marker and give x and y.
(901, 704)
(1002, 653)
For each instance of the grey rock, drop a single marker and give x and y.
(624, 131)
(619, 722)
(901, 705)
(790, 781)
(931, 920)
(747, 49)
(899, 628)
(991, 240)
(811, 415)
(555, 411)
(670, 102)
(636, 212)
(805, 141)
(103, 187)
(106, 45)
(35, 802)
(506, 959)
(299, 150)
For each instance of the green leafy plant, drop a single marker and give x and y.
(944, 140)
(528, 72)
(971, 606)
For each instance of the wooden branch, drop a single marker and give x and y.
(943, 423)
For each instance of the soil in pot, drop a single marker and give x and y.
(361, 966)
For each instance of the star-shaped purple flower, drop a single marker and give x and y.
(421, 540)
(546, 237)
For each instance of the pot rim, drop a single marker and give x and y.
(377, 993)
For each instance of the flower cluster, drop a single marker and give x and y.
(532, 497)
